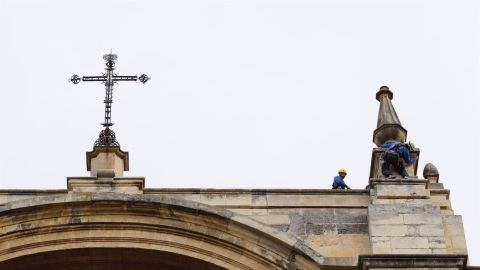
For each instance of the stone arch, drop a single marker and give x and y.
(149, 224)
(106, 259)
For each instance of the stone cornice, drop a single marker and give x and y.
(199, 190)
(425, 261)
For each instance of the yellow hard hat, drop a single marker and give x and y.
(342, 171)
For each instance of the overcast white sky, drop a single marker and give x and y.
(244, 94)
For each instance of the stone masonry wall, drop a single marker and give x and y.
(339, 224)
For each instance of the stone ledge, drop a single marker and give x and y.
(400, 181)
(32, 191)
(445, 192)
(426, 261)
(254, 191)
(166, 191)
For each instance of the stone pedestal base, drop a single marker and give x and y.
(107, 158)
(129, 185)
(403, 219)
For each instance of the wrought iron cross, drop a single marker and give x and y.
(107, 136)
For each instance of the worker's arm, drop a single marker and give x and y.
(403, 162)
(405, 158)
(341, 183)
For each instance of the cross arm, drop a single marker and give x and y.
(94, 78)
(75, 79)
(142, 78)
(124, 78)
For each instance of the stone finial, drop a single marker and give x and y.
(430, 172)
(388, 123)
(384, 90)
(107, 159)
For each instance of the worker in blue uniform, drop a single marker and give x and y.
(397, 155)
(338, 182)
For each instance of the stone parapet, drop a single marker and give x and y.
(145, 222)
(334, 223)
(338, 224)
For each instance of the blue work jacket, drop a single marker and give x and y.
(338, 181)
(402, 151)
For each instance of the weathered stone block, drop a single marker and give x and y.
(411, 251)
(340, 245)
(295, 200)
(409, 242)
(447, 212)
(238, 199)
(354, 228)
(330, 200)
(297, 225)
(422, 219)
(273, 219)
(282, 227)
(459, 243)
(125, 185)
(336, 219)
(426, 207)
(401, 192)
(380, 242)
(350, 240)
(329, 229)
(441, 201)
(109, 158)
(213, 198)
(385, 219)
(437, 242)
(388, 230)
(381, 251)
(302, 211)
(241, 211)
(403, 202)
(454, 229)
(430, 230)
(259, 199)
(435, 186)
(452, 220)
(259, 211)
(350, 211)
(184, 196)
(441, 251)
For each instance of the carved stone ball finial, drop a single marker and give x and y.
(431, 172)
(384, 90)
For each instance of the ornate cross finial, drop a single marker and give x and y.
(107, 136)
